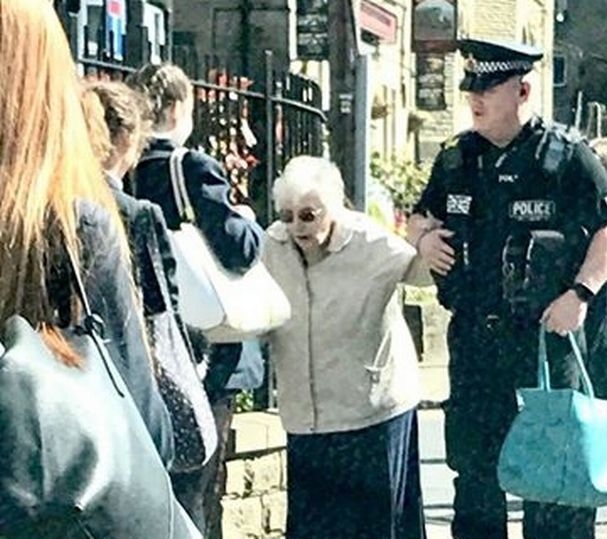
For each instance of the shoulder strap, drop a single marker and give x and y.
(456, 149)
(150, 248)
(180, 193)
(555, 148)
(155, 253)
(154, 155)
(93, 323)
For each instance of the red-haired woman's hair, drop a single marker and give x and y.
(46, 159)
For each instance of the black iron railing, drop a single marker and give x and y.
(252, 127)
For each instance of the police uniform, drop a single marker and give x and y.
(545, 183)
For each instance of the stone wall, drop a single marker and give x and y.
(439, 125)
(495, 19)
(255, 504)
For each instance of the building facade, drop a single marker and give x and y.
(580, 65)
(236, 32)
(416, 102)
(527, 21)
(129, 32)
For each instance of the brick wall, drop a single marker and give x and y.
(495, 19)
(255, 504)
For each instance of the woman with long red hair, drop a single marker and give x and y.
(53, 198)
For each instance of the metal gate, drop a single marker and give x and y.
(253, 128)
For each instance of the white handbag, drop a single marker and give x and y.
(227, 306)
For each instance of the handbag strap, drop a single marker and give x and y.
(92, 323)
(153, 249)
(150, 246)
(543, 373)
(180, 193)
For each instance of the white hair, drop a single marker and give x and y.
(306, 174)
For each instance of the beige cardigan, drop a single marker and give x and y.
(346, 359)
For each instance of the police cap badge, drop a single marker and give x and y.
(489, 63)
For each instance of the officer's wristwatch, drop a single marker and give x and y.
(583, 292)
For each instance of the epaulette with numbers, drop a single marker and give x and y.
(556, 146)
(452, 149)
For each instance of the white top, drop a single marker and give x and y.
(346, 359)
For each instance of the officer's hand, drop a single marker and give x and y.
(437, 253)
(566, 313)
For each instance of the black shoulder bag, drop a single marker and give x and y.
(76, 460)
(194, 429)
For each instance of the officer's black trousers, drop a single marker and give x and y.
(489, 359)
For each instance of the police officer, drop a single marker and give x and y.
(513, 224)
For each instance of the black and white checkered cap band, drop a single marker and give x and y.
(483, 68)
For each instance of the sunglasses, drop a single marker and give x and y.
(305, 215)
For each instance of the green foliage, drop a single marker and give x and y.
(244, 401)
(420, 296)
(404, 180)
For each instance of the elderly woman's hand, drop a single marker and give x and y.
(437, 253)
(245, 211)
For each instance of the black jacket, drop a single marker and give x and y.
(235, 240)
(111, 294)
(150, 248)
(143, 272)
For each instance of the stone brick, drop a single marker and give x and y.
(496, 19)
(257, 431)
(283, 470)
(275, 511)
(236, 483)
(242, 518)
(265, 472)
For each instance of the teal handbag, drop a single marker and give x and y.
(556, 449)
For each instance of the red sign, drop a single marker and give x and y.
(378, 21)
(114, 8)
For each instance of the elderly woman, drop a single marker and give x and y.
(345, 363)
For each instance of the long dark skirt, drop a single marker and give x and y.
(362, 484)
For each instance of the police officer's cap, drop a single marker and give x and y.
(489, 63)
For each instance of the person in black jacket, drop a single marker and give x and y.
(234, 238)
(110, 290)
(231, 232)
(118, 131)
(513, 225)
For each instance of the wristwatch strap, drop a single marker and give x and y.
(583, 292)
